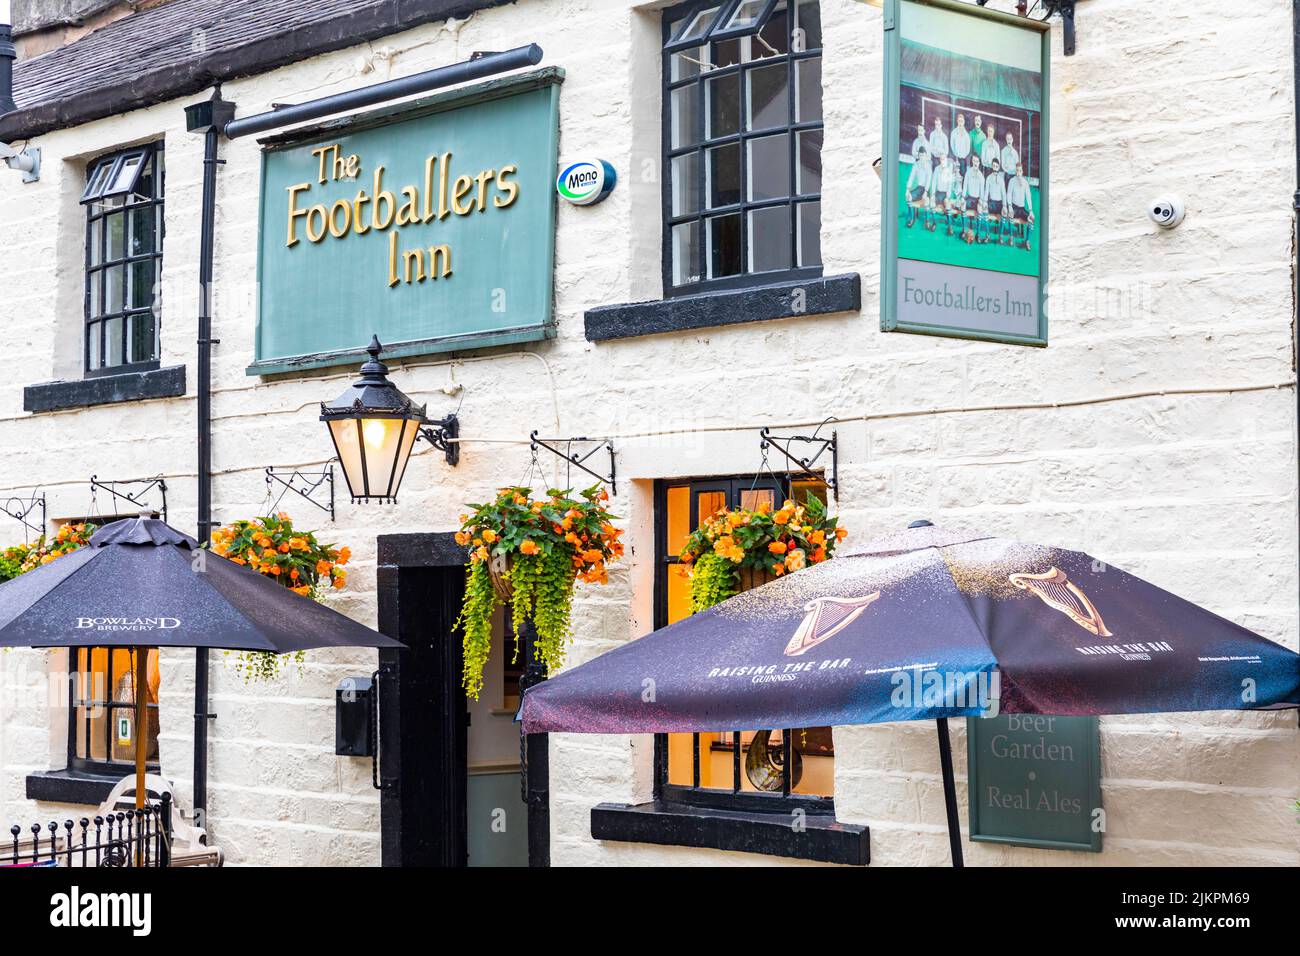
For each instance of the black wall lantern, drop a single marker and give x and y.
(374, 427)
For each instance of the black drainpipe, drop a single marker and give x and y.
(7, 57)
(207, 117)
(212, 118)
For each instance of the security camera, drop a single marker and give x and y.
(28, 162)
(1166, 211)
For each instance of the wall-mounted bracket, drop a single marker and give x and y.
(22, 509)
(137, 499)
(578, 459)
(805, 463)
(305, 484)
(1066, 10)
(442, 434)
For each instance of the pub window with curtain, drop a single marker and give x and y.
(742, 769)
(742, 143)
(123, 199)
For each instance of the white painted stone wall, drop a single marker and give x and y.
(1196, 492)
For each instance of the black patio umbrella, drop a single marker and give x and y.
(140, 583)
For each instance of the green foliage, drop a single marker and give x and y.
(713, 581)
(475, 622)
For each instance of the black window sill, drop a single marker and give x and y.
(822, 839)
(823, 295)
(73, 786)
(105, 389)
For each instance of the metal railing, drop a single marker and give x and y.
(127, 838)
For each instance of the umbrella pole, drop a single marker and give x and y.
(141, 718)
(949, 792)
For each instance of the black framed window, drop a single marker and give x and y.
(124, 245)
(101, 712)
(742, 143)
(742, 769)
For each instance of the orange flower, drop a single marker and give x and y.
(283, 549)
(268, 553)
(345, 555)
(602, 495)
(462, 538)
(841, 534)
(489, 535)
(323, 566)
(273, 570)
(481, 554)
(795, 560)
(817, 537)
(778, 547)
(528, 546)
(819, 556)
(593, 556)
(304, 590)
(571, 538)
(340, 582)
(294, 574)
(781, 517)
(778, 570)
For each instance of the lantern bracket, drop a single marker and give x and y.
(305, 484)
(805, 463)
(444, 435)
(578, 459)
(136, 499)
(20, 509)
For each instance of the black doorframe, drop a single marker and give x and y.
(423, 721)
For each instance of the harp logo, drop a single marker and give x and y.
(1058, 592)
(824, 618)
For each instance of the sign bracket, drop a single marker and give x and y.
(806, 462)
(305, 484)
(578, 459)
(137, 499)
(20, 509)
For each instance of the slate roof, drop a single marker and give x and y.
(184, 46)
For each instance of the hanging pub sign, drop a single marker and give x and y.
(965, 172)
(1035, 781)
(430, 223)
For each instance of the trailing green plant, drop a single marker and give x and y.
(537, 550)
(773, 542)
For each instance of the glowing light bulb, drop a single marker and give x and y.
(375, 432)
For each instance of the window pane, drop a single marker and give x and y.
(144, 186)
(678, 518)
(113, 341)
(808, 26)
(116, 226)
(808, 103)
(752, 498)
(142, 284)
(725, 53)
(686, 253)
(696, 26)
(810, 161)
(724, 245)
(722, 98)
(710, 503)
(767, 101)
(93, 355)
(686, 63)
(96, 178)
(746, 14)
(142, 230)
(774, 38)
(113, 291)
(686, 184)
(140, 337)
(685, 116)
(96, 250)
(724, 176)
(127, 174)
(810, 234)
(95, 286)
(769, 239)
(768, 169)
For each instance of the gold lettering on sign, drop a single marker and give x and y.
(438, 195)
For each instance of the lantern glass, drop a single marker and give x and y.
(374, 452)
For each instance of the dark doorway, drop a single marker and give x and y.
(432, 793)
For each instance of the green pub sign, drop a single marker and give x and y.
(1035, 780)
(965, 172)
(431, 223)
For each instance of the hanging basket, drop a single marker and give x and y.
(748, 578)
(500, 579)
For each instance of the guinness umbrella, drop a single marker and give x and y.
(925, 624)
(141, 583)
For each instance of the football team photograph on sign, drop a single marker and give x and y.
(969, 176)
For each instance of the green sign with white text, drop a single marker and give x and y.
(430, 224)
(1035, 780)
